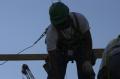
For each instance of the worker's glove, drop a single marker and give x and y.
(87, 67)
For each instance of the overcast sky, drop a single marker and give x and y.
(23, 21)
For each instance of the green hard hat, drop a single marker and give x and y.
(58, 13)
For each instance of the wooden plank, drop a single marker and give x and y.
(98, 52)
(22, 57)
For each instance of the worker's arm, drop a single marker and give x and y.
(87, 65)
(87, 39)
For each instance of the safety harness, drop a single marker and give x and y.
(73, 43)
(69, 46)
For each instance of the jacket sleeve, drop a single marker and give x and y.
(87, 39)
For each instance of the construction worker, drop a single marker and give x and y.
(68, 38)
(109, 68)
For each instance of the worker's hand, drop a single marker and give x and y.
(87, 67)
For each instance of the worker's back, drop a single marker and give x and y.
(109, 68)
